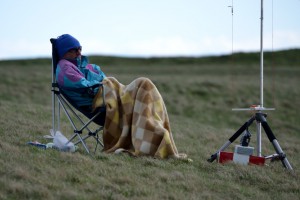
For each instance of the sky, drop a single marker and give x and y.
(148, 28)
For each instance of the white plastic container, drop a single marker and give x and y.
(60, 142)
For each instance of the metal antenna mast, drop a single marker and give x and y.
(261, 57)
(231, 26)
(259, 108)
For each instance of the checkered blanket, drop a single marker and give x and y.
(136, 120)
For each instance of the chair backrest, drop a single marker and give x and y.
(87, 111)
(55, 57)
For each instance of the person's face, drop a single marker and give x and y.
(73, 53)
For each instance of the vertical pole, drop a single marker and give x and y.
(261, 59)
(258, 138)
(232, 27)
(58, 117)
(53, 102)
(261, 80)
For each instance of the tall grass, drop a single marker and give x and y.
(199, 94)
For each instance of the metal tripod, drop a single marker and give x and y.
(260, 119)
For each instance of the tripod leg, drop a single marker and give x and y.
(276, 145)
(232, 138)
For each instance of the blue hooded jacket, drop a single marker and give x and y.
(74, 76)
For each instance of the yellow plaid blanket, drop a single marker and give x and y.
(136, 120)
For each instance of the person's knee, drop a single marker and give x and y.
(145, 80)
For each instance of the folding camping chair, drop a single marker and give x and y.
(61, 100)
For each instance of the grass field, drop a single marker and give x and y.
(199, 94)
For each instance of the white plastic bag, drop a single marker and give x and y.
(60, 142)
(51, 136)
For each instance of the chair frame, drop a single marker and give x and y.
(59, 101)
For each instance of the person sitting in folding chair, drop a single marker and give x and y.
(135, 118)
(74, 74)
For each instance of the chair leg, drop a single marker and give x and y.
(83, 143)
